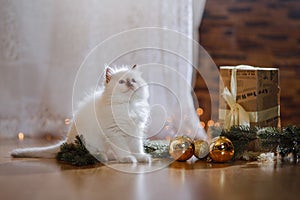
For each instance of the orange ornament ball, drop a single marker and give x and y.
(221, 149)
(181, 148)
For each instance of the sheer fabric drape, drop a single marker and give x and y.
(43, 44)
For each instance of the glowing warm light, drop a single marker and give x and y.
(21, 136)
(67, 121)
(48, 137)
(199, 111)
(202, 124)
(210, 123)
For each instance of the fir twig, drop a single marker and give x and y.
(244, 138)
(157, 148)
(76, 153)
(285, 141)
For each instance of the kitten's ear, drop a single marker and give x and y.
(136, 69)
(108, 74)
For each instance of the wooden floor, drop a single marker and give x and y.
(47, 179)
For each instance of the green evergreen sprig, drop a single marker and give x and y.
(157, 148)
(76, 153)
(284, 141)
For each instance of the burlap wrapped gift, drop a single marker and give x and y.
(249, 96)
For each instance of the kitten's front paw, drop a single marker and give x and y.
(128, 159)
(143, 158)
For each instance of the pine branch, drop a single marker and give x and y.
(157, 148)
(76, 153)
(285, 141)
(244, 138)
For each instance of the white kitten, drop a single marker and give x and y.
(112, 122)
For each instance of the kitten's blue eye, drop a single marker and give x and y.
(121, 81)
(133, 80)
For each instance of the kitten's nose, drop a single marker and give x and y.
(128, 83)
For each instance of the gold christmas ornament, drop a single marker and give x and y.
(201, 149)
(181, 148)
(221, 149)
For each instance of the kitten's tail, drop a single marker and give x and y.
(37, 152)
(45, 152)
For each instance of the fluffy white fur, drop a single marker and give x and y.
(112, 121)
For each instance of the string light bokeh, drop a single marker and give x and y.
(205, 124)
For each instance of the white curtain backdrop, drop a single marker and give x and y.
(44, 43)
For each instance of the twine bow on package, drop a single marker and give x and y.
(249, 96)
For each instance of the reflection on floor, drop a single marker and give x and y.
(163, 179)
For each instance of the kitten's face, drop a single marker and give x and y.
(127, 83)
